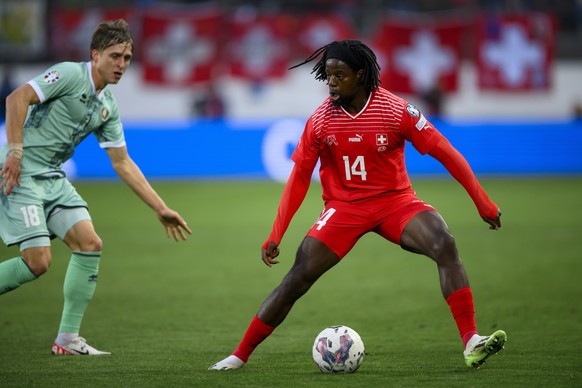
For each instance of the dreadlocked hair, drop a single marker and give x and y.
(365, 55)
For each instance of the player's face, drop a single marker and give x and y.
(110, 64)
(343, 82)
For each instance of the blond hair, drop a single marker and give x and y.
(110, 33)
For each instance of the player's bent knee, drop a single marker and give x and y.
(445, 242)
(91, 244)
(444, 248)
(38, 260)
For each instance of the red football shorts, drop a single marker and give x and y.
(341, 224)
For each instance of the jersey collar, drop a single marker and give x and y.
(89, 67)
(363, 109)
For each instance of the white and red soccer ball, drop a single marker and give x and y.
(338, 349)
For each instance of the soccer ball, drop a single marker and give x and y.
(338, 349)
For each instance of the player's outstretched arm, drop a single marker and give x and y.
(130, 173)
(459, 168)
(292, 198)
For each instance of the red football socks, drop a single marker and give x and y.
(463, 310)
(256, 333)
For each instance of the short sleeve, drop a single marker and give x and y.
(110, 134)
(56, 81)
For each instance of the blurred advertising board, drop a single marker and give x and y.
(253, 149)
(23, 30)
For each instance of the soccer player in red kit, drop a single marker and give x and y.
(358, 134)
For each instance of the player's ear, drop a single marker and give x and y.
(94, 55)
(360, 75)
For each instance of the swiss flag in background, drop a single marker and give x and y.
(73, 29)
(317, 30)
(180, 48)
(259, 46)
(415, 55)
(515, 52)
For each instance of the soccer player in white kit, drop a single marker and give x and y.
(68, 102)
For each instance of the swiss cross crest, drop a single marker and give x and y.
(331, 140)
(381, 139)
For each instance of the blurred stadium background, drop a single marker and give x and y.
(208, 96)
(501, 78)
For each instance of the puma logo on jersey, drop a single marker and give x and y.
(356, 139)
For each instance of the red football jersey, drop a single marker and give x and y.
(362, 155)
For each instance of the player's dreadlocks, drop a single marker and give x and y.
(354, 53)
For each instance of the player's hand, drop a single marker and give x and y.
(268, 255)
(495, 223)
(173, 223)
(10, 174)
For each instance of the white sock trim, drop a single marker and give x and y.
(65, 338)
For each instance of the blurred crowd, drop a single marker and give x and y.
(568, 12)
(49, 41)
(365, 13)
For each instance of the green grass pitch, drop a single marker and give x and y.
(168, 310)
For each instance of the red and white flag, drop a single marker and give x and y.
(72, 30)
(259, 46)
(416, 56)
(317, 30)
(515, 52)
(180, 49)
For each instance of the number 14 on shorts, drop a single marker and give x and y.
(324, 217)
